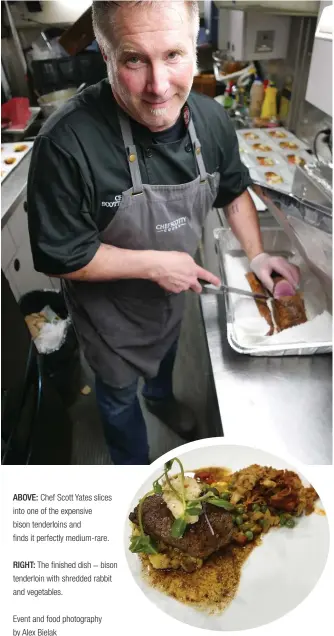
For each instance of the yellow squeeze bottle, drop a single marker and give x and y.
(269, 106)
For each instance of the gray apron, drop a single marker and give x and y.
(126, 327)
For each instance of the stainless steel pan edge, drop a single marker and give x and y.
(276, 350)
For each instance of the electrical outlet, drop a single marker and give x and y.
(264, 41)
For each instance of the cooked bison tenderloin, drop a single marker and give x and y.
(198, 540)
(257, 288)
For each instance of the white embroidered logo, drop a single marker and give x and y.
(113, 204)
(172, 226)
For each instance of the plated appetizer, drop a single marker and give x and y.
(295, 160)
(273, 178)
(265, 161)
(250, 135)
(277, 134)
(289, 144)
(262, 147)
(20, 147)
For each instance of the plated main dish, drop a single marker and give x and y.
(194, 530)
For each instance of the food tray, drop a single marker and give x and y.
(313, 214)
(254, 143)
(240, 311)
(11, 151)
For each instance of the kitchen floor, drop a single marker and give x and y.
(88, 441)
(193, 385)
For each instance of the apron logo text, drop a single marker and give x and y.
(113, 204)
(173, 225)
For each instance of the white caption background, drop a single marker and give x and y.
(118, 602)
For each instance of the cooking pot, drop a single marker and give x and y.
(50, 102)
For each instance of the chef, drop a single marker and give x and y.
(121, 181)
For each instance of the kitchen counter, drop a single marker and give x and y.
(13, 189)
(284, 404)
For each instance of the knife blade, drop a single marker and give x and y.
(207, 288)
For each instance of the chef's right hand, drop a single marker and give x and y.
(177, 272)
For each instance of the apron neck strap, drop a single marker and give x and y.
(131, 151)
(197, 150)
(132, 157)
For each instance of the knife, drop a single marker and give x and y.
(207, 288)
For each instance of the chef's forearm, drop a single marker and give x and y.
(243, 219)
(114, 263)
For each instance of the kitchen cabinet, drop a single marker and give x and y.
(8, 248)
(296, 7)
(22, 274)
(16, 262)
(320, 80)
(253, 35)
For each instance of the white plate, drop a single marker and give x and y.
(244, 136)
(278, 575)
(285, 171)
(292, 139)
(276, 159)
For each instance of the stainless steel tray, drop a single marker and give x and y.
(275, 242)
(313, 213)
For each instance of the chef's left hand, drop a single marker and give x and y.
(263, 265)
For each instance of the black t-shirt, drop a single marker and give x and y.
(79, 171)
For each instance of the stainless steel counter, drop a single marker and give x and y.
(13, 189)
(283, 404)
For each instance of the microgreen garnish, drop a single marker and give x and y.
(143, 543)
(220, 503)
(178, 528)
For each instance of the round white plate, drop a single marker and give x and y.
(278, 575)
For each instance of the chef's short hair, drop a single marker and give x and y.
(104, 12)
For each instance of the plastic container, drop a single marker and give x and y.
(17, 110)
(61, 366)
(228, 99)
(256, 98)
(269, 106)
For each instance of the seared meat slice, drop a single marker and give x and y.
(257, 288)
(289, 311)
(198, 540)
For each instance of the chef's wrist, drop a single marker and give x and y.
(258, 256)
(150, 264)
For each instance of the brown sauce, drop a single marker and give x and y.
(211, 588)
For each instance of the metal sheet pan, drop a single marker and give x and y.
(275, 242)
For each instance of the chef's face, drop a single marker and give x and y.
(152, 61)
